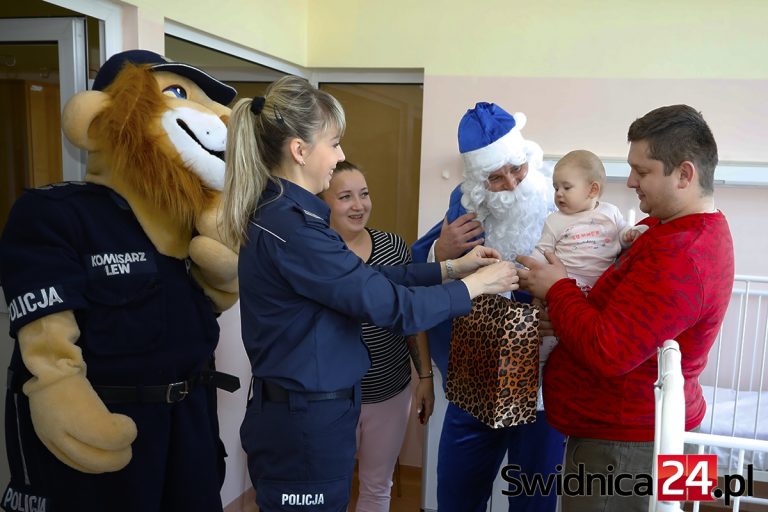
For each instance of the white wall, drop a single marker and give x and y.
(231, 358)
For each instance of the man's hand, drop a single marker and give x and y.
(455, 237)
(538, 276)
(545, 326)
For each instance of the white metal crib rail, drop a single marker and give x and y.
(738, 358)
(670, 435)
(735, 380)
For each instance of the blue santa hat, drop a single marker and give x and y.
(489, 138)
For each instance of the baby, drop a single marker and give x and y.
(585, 234)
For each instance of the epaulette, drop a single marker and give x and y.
(312, 218)
(65, 189)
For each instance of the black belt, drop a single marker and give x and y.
(275, 393)
(167, 393)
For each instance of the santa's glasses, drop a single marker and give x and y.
(509, 172)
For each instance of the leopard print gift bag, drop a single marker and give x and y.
(493, 367)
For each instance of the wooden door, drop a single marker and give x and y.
(383, 138)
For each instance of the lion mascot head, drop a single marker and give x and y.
(156, 131)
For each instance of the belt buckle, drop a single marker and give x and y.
(176, 392)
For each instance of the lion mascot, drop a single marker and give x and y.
(113, 286)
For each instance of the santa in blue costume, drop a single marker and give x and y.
(507, 190)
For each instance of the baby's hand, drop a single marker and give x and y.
(632, 234)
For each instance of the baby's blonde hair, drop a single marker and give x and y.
(586, 161)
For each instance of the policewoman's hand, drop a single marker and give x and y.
(478, 257)
(214, 263)
(498, 277)
(67, 414)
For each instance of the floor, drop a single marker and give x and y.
(406, 497)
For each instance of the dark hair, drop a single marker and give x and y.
(346, 165)
(675, 134)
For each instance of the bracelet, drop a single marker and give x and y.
(449, 270)
(427, 376)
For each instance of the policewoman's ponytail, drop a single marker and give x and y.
(257, 131)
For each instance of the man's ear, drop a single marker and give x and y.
(687, 174)
(79, 113)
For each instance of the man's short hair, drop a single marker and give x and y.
(675, 134)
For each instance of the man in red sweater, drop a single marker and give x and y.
(673, 283)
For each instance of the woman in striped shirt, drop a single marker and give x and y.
(386, 394)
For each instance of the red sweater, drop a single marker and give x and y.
(674, 282)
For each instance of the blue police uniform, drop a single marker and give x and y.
(303, 295)
(144, 323)
(470, 453)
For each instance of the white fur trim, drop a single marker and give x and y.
(508, 149)
(520, 120)
(211, 134)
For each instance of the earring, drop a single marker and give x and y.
(302, 162)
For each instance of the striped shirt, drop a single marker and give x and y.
(390, 370)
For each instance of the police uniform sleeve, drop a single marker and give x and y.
(319, 267)
(41, 271)
(42, 276)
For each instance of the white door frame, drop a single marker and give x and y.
(110, 13)
(69, 34)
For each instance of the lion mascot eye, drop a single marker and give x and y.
(175, 91)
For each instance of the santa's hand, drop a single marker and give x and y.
(215, 263)
(74, 424)
(455, 237)
(538, 276)
(67, 414)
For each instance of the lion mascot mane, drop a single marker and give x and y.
(125, 273)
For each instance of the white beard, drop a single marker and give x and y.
(512, 220)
